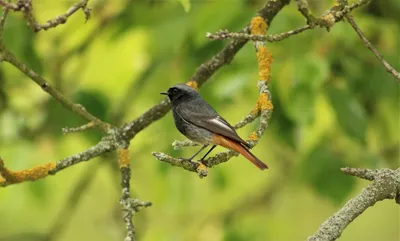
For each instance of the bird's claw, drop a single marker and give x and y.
(202, 170)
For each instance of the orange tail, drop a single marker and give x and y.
(235, 146)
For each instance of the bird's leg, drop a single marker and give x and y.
(212, 148)
(195, 154)
(202, 168)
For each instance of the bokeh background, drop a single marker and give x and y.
(335, 106)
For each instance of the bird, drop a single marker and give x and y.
(198, 121)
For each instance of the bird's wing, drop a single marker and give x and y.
(201, 114)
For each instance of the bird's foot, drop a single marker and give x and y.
(202, 170)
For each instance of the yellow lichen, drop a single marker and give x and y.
(329, 20)
(123, 157)
(264, 59)
(192, 84)
(264, 102)
(253, 136)
(256, 109)
(258, 26)
(201, 167)
(33, 174)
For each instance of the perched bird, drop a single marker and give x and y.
(199, 122)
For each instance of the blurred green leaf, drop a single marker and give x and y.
(185, 5)
(219, 179)
(321, 170)
(349, 113)
(162, 167)
(312, 70)
(38, 190)
(94, 101)
(301, 103)
(20, 40)
(238, 232)
(281, 124)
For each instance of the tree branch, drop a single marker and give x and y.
(81, 128)
(129, 205)
(385, 185)
(107, 144)
(127, 209)
(225, 34)
(326, 20)
(26, 7)
(8, 5)
(3, 17)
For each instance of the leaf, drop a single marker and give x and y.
(312, 70)
(349, 113)
(301, 103)
(94, 101)
(219, 179)
(38, 190)
(20, 40)
(185, 5)
(321, 170)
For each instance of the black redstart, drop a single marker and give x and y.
(199, 122)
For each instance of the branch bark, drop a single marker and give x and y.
(385, 185)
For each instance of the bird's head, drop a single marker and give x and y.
(180, 93)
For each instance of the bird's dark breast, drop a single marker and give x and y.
(191, 131)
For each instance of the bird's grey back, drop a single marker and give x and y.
(198, 112)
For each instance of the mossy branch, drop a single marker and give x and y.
(385, 185)
(25, 6)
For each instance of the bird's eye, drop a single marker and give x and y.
(174, 91)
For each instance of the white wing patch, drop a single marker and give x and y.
(220, 123)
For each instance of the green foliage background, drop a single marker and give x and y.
(335, 106)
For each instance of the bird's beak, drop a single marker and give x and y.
(164, 93)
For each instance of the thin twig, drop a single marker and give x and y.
(3, 18)
(8, 5)
(327, 20)
(127, 209)
(302, 6)
(368, 44)
(84, 127)
(225, 34)
(129, 205)
(366, 174)
(54, 22)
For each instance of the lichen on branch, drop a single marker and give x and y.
(8, 177)
(385, 185)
